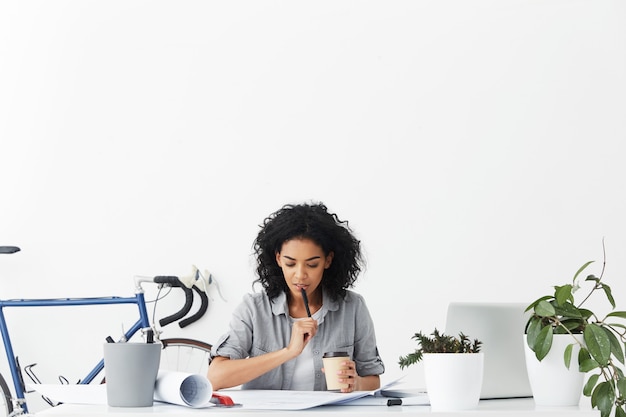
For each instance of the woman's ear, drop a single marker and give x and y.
(329, 259)
(278, 259)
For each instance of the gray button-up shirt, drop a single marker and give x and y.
(260, 326)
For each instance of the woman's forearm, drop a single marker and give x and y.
(226, 373)
(368, 383)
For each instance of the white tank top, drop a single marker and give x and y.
(304, 374)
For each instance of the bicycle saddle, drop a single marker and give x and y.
(9, 249)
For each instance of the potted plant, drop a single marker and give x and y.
(453, 369)
(599, 340)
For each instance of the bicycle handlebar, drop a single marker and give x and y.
(203, 307)
(176, 282)
(9, 249)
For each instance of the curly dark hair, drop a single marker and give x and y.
(310, 221)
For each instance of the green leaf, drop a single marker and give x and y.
(573, 325)
(583, 354)
(567, 356)
(621, 387)
(602, 398)
(621, 314)
(544, 309)
(563, 294)
(585, 313)
(534, 303)
(609, 295)
(587, 365)
(581, 269)
(598, 343)
(534, 327)
(619, 411)
(590, 384)
(592, 278)
(543, 342)
(568, 310)
(616, 346)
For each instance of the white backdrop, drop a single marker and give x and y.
(476, 147)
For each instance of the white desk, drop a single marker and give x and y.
(491, 408)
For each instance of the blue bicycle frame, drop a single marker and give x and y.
(142, 323)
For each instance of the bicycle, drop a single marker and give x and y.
(180, 354)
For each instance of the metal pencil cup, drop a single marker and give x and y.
(131, 370)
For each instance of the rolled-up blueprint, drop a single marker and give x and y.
(191, 390)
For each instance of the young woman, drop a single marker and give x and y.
(303, 253)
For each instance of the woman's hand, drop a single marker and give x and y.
(355, 382)
(301, 332)
(348, 376)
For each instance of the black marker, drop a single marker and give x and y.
(306, 302)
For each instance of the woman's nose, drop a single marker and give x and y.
(300, 272)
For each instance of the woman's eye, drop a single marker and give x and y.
(313, 266)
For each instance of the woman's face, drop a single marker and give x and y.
(303, 263)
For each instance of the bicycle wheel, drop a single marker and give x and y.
(6, 403)
(185, 355)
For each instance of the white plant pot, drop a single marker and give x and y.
(552, 383)
(453, 380)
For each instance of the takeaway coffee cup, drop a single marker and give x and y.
(332, 364)
(130, 370)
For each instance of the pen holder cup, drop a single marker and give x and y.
(130, 371)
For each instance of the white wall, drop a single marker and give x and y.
(476, 147)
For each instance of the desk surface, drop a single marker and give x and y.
(490, 408)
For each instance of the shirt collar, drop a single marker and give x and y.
(279, 304)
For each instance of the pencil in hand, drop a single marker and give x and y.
(306, 302)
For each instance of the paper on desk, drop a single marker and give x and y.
(294, 400)
(379, 399)
(179, 388)
(182, 388)
(289, 400)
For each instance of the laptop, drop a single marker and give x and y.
(500, 327)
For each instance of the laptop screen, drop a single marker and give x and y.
(500, 326)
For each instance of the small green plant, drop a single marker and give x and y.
(603, 338)
(439, 343)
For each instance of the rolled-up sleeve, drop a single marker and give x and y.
(236, 343)
(366, 356)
